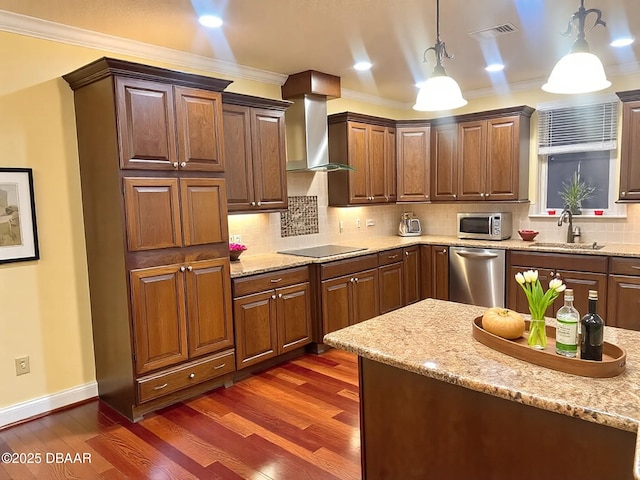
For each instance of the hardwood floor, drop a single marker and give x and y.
(298, 420)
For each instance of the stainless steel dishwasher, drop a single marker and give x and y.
(476, 276)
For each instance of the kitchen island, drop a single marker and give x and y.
(435, 403)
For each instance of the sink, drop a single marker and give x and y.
(569, 246)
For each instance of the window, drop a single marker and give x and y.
(578, 140)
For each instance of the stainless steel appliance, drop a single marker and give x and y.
(323, 251)
(409, 225)
(484, 226)
(477, 276)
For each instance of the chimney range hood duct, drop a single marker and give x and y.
(306, 121)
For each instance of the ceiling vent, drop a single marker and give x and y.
(493, 32)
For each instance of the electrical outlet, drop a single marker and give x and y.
(22, 365)
(370, 222)
(235, 238)
(341, 225)
(358, 223)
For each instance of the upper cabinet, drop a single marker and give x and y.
(368, 145)
(486, 159)
(412, 153)
(255, 153)
(165, 127)
(630, 150)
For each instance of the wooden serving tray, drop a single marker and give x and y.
(613, 361)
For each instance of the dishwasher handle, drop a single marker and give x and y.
(468, 254)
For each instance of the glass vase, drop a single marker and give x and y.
(537, 333)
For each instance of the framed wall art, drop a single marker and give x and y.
(18, 232)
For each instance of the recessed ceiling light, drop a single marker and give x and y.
(494, 67)
(622, 42)
(362, 66)
(210, 21)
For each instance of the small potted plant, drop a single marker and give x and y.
(576, 192)
(235, 250)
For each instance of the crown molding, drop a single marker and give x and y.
(34, 27)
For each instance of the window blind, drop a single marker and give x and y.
(579, 128)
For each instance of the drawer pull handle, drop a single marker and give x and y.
(218, 367)
(192, 375)
(391, 257)
(160, 387)
(635, 267)
(275, 280)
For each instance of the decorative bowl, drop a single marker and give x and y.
(234, 255)
(527, 235)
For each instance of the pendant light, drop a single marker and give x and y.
(580, 71)
(440, 91)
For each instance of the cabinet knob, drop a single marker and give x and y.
(352, 280)
(557, 275)
(426, 196)
(190, 268)
(622, 194)
(259, 203)
(273, 297)
(192, 375)
(279, 295)
(406, 254)
(183, 164)
(486, 194)
(182, 269)
(355, 279)
(482, 194)
(551, 274)
(175, 164)
(253, 204)
(444, 250)
(455, 195)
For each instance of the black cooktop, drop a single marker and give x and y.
(323, 251)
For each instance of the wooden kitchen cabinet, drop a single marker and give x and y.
(167, 127)
(272, 314)
(392, 283)
(156, 242)
(623, 296)
(174, 212)
(255, 153)
(630, 147)
(444, 162)
(367, 144)
(411, 270)
(434, 272)
(349, 293)
(413, 152)
(578, 272)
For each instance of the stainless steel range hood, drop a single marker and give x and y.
(306, 121)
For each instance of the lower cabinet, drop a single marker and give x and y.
(272, 314)
(578, 272)
(623, 297)
(434, 273)
(399, 277)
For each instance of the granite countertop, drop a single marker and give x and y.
(433, 338)
(253, 264)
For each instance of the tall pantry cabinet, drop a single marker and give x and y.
(151, 151)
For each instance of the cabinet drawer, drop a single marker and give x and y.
(348, 266)
(624, 266)
(390, 256)
(155, 386)
(559, 261)
(267, 281)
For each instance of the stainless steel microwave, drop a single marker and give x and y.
(484, 226)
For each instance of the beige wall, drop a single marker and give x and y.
(46, 312)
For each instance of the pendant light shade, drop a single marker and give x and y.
(440, 92)
(580, 71)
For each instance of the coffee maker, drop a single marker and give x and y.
(409, 225)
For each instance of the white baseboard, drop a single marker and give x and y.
(47, 403)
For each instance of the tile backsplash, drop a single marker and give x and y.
(301, 218)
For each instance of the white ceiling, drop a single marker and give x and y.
(289, 36)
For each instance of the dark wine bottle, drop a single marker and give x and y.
(592, 331)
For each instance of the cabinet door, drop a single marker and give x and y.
(376, 164)
(336, 303)
(623, 302)
(358, 152)
(502, 163)
(444, 162)
(269, 157)
(152, 213)
(440, 273)
(256, 328)
(159, 318)
(209, 306)
(294, 316)
(390, 168)
(204, 211)
(146, 125)
(411, 268)
(237, 155)
(630, 151)
(413, 163)
(199, 128)
(426, 272)
(391, 287)
(581, 283)
(366, 299)
(472, 160)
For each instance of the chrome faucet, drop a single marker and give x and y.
(566, 216)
